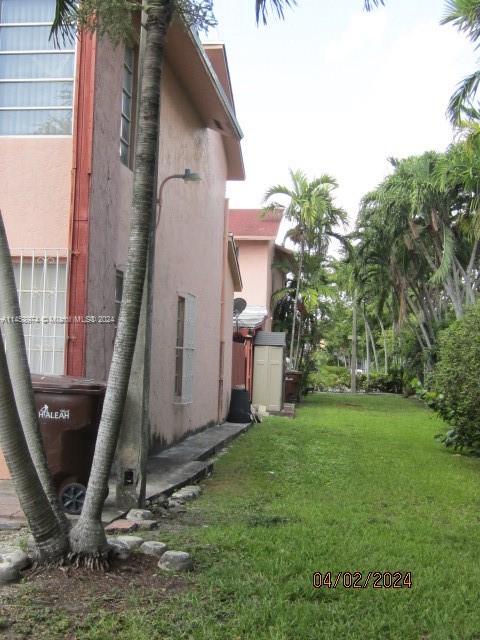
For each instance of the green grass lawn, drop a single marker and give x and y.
(354, 483)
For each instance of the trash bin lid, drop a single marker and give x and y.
(67, 384)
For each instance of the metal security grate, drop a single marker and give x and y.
(42, 278)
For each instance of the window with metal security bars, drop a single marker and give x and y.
(127, 101)
(185, 348)
(41, 280)
(36, 79)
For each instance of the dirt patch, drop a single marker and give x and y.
(74, 594)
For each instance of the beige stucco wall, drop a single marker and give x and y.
(35, 174)
(254, 259)
(189, 246)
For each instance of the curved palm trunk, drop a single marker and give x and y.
(20, 376)
(88, 537)
(295, 305)
(51, 541)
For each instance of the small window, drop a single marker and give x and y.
(127, 110)
(185, 347)
(118, 293)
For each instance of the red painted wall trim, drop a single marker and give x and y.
(80, 203)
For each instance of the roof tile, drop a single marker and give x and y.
(253, 222)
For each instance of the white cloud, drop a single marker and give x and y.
(362, 29)
(381, 91)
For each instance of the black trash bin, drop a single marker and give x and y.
(69, 411)
(240, 406)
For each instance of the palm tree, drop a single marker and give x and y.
(310, 207)
(87, 537)
(465, 15)
(20, 375)
(419, 235)
(50, 539)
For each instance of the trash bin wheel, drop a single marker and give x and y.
(72, 497)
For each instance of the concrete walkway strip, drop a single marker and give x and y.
(169, 470)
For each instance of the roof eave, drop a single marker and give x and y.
(256, 238)
(186, 55)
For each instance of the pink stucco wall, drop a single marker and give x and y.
(189, 249)
(190, 236)
(35, 196)
(254, 259)
(110, 202)
(189, 260)
(229, 294)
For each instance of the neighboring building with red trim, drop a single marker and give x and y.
(66, 156)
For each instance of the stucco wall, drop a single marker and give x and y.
(253, 257)
(227, 338)
(188, 253)
(110, 202)
(278, 280)
(35, 176)
(189, 260)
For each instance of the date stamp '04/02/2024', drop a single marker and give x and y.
(359, 580)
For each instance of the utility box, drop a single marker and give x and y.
(268, 368)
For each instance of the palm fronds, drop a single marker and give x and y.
(460, 104)
(371, 4)
(66, 15)
(465, 15)
(264, 7)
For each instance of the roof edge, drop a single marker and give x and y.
(234, 264)
(215, 81)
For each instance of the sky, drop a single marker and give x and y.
(334, 89)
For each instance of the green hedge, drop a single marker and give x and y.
(454, 387)
(330, 377)
(391, 382)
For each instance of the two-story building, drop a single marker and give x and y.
(67, 137)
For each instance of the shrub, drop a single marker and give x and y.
(330, 378)
(391, 382)
(454, 390)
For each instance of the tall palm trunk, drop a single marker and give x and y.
(50, 539)
(20, 376)
(88, 537)
(295, 304)
(367, 346)
(299, 344)
(385, 349)
(469, 285)
(374, 346)
(354, 345)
